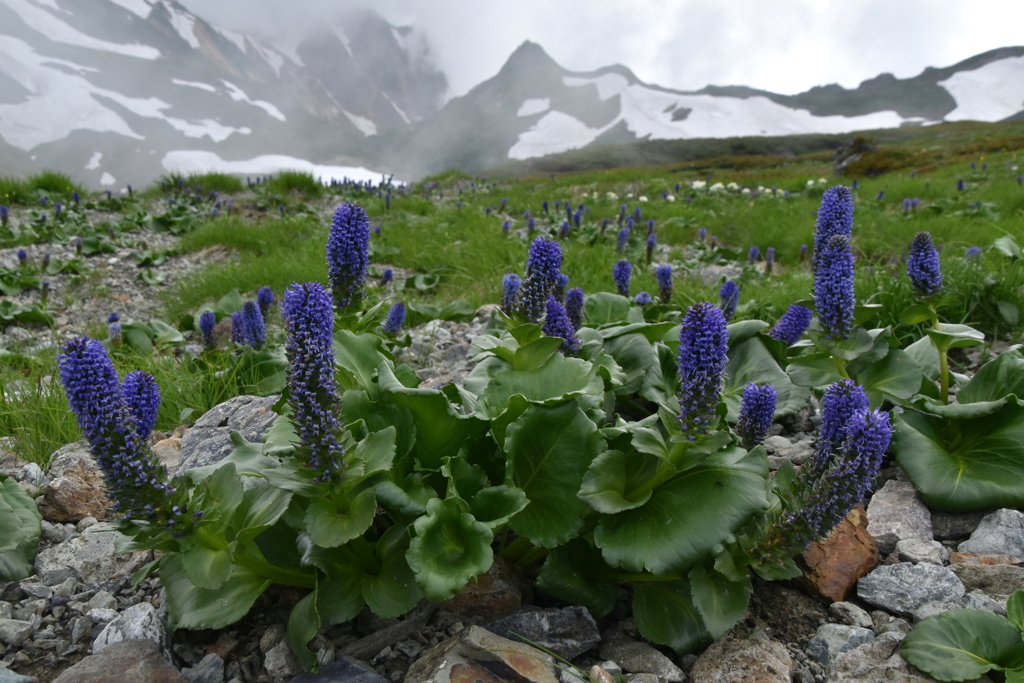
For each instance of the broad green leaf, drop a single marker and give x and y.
(975, 463)
(339, 590)
(373, 454)
(994, 380)
(392, 591)
(206, 566)
(963, 644)
(558, 378)
(950, 336)
(916, 314)
(261, 507)
(924, 353)
(331, 523)
(549, 450)
(665, 614)
(358, 356)
(450, 548)
(897, 374)
(751, 361)
(858, 343)
(408, 497)
(1009, 312)
(1007, 246)
(743, 330)
(265, 370)
(601, 308)
(721, 602)
(573, 573)
(303, 624)
(618, 481)
(635, 356)
(533, 355)
(191, 607)
(379, 415)
(690, 516)
(1015, 610)
(813, 371)
(495, 505)
(19, 531)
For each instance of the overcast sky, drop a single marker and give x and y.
(784, 46)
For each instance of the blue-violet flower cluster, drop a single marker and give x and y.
(833, 287)
(792, 325)
(923, 265)
(703, 344)
(557, 324)
(348, 254)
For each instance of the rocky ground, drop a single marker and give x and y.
(79, 619)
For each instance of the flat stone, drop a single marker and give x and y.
(168, 452)
(75, 489)
(830, 568)
(752, 660)
(1001, 532)
(210, 669)
(638, 657)
(138, 661)
(992, 580)
(878, 660)
(478, 655)
(14, 632)
(281, 662)
(831, 639)
(849, 613)
(953, 526)
(902, 588)
(138, 622)
(89, 558)
(343, 670)
(897, 512)
(977, 558)
(8, 676)
(209, 440)
(568, 632)
(916, 551)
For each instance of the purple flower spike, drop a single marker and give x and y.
(543, 266)
(642, 299)
(561, 282)
(142, 395)
(973, 252)
(703, 344)
(238, 335)
(622, 239)
(574, 307)
(730, 296)
(510, 285)
(395, 319)
(265, 299)
(207, 321)
(348, 254)
(833, 287)
(664, 276)
(835, 217)
(557, 324)
(255, 327)
(838, 404)
(923, 265)
(621, 273)
(754, 255)
(652, 241)
(792, 325)
(757, 408)
(314, 399)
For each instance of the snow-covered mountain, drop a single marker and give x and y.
(534, 107)
(124, 91)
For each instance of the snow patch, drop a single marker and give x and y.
(365, 125)
(184, 24)
(54, 29)
(107, 179)
(187, 162)
(234, 36)
(51, 4)
(194, 84)
(396, 107)
(555, 132)
(238, 95)
(400, 38)
(94, 161)
(345, 41)
(272, 57)
(139, 7)
(989, 93)
(534, 106)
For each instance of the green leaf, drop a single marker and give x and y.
(897, 374)
(1009, 312)
(549, 450)
(858, 343)
(963, 645)
(450, 548)
(392, 591)
(751, 361)
(558, 378)
(261, 507)
(1015, 610)
(495, 505)
(924, 353)
(533, 355)
(373, 454)
(995, 379)
(665, 614)
(206, 566)
(303, 624)
(635, 356)
(339, 592)
(813, 371)
(743, 330)
(961, 464)
(573, 573)
(950, 336)
(601, 308)
(191, 607)
(916, 314)
(720, 601)
(618, 481)
(331, 523)
(1007, 246)
(688, 517)
(358, 356)
(19, 531)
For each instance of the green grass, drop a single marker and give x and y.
(287, 183)
(221, 183)
(49, 184)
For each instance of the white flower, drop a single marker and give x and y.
(698, 184)
(642, 198)
(611, 195)
(810, 183)
(717, 187)
(670, 197)
(733, 186)
(823, 181)
(745, 190)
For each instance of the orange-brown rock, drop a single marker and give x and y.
(979, 559)
(831, 567)
(76, 489)
(478, 656)
(494, 594)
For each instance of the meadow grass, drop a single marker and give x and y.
(50, 184)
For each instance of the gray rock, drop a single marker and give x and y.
(139, 661)
(851, 614)
(8, 676)
(896, 512)
(930, 609)
(281, 662)
(993, 580)
(951, 526)
(796, 452)
(748, 659)
(831, 639)
(36, 590)
(89, 558)
(209, 439)
(568, 632)
(917, 550)
(102, 615)
(878, 660)
(344, 670)
(15, 632)
(210, 669)
(999, 533)
(138, 622)
(638, 657)
(902, 588)
(978, 600)
(103, 599)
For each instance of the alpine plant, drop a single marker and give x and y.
(621, 272)
(543, 266)
(663, 274)
(792, 325)
(142, 396)
(757, 408)
(510, 285)
(923, 265)
(557, 324)
(574, 307)
(703, 344)
(348, 254)
(309, 321)
(833, 287)
(395, 319)
(730, 296)
(835, 217)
